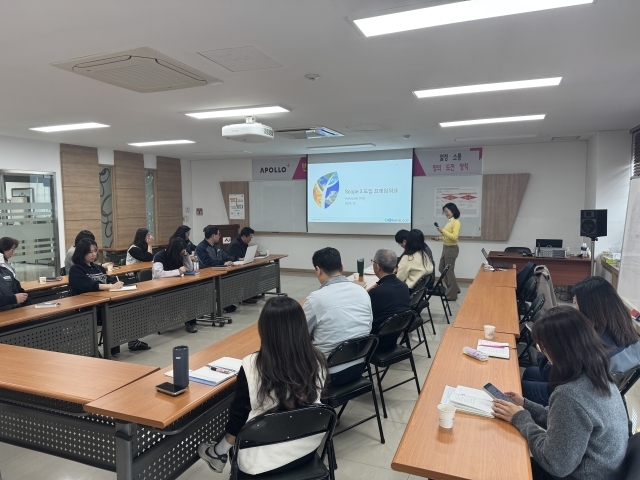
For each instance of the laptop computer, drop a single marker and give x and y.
(505, 266)
(248, 257)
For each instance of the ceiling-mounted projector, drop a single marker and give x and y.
(249, 132)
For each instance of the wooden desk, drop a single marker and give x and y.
(68, 328)
(614, 270)
(564, 271)
(484, 305)
(124, 269)
(506, 278)
(34, 285)
(476, 448)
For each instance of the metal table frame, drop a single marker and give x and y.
(131, 450)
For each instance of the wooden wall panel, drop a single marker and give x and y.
(501, 198)
(128, 196)
(168, 180)
(228, 188)
(80, 192)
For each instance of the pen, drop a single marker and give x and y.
(492, 346)
(117, 279)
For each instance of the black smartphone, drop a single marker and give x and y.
(170, 389)
(495, 393)
(436, 224)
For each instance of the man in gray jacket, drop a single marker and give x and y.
(209, 252)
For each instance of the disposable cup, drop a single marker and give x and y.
(267, 252)
(489, 332)
(446, 414)
(42, 280)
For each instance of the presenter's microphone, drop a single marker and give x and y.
(436, 224)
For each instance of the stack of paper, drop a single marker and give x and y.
(494, 349)
(369, 271)
(469, 400)
(124, 288)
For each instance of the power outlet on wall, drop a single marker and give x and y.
(186, 218)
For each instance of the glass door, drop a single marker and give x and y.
(28, 214)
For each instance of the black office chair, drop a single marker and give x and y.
(439, 290)
(520, 250)
(527, 295)
(339, 395)
(417, 303)
(632, 459)
(145, 275)
(525, 342)
(535, 306)
(625, 381)
(394, 327)
(280, 427)
(63, 272)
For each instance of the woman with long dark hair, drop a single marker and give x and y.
(287, 373)
(173, 262)
(184, 232)
(583, 432)
(140, 249)
(450, 249)
(599, 302)
(415, 261)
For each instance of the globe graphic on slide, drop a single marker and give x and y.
(325, 190)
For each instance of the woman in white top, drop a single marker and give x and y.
(414, 262)
(287, 373)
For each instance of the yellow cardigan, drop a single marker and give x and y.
(450, 232)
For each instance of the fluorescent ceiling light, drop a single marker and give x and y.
(74, 126)
(483, 121)
(464, 11)
(501, 137)
(162, 142)
(487, 87)
(344, 147)
(237, 112)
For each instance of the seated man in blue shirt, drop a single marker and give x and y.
(389, 295)
(209, 252)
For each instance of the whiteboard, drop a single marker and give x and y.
(629, 280)
(278, 206)
(426, 211)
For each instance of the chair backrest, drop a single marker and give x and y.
(538, 315)
(535, 307)
(625, 380)
(518, 249)
(272, 428)
(421, 284)
(145, 275)
(436, 287)
(354, 349)
(524, 275)
(632, 458)
(415, 298)
(399, 323)
(63, 271)
(529, 289)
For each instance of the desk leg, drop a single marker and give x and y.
(94, 334)
(106, 327)
(278, 285)
(124, 450)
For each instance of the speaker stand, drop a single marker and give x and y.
(593, 256)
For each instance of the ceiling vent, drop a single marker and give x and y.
(568, 138)
(309, 133)
(141, 69)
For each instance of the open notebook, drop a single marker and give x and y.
(494, 349)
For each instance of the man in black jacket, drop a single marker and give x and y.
(389, 296)
(239, 245)
(209, 252)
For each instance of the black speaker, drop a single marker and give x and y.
(181, 366)
(593, 223)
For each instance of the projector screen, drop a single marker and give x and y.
(359, 193)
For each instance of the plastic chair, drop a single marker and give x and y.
(417, 303)
(339, 395)
(526, 250)
(632, 458)
(145, 275)
(399, 324)
(438, 290)
(273, 428)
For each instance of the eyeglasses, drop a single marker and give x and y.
(373, 261)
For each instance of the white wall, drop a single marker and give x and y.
(550, 207)
(31, 155)
(187, 195)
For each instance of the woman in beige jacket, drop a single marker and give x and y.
(414, 263)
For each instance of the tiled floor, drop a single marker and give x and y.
(359, 451)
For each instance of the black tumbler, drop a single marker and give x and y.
(181, 366)
(360, 268)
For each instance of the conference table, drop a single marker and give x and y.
(563, 271)
(483, 305)
(496, 278)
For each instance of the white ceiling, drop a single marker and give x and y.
(363, 81)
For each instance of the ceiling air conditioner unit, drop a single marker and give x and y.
(141, 69)
(308, 133)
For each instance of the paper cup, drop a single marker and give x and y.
(489, 332)
(42, 280)
(110, 268)
(266, 252)
(446, 414)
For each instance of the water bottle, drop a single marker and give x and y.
(196, 263)
(181, 366)
(583, 250)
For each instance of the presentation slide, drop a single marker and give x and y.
(371, 197)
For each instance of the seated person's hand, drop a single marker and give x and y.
(21, 298)
(183, 270)
(505, 410)
(437, 239)
(107, 265)
(228, 264)
(241, 259)
(517, 399)
(117, 285)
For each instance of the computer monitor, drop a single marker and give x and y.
(548, 242)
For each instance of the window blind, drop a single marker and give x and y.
(636, 154)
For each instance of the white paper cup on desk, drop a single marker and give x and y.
(489, 332)
(446, 414)
(42, 280)
(266, 252)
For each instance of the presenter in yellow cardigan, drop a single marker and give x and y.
(450, 249)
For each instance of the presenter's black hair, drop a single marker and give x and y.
(83, 234)
(328, 260)
(210, 230)
(83, 247)
(140, 240)
(246, 231)
(401, 236)
(453, 209)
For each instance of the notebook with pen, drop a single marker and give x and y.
(214, 373)
(494, 349)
